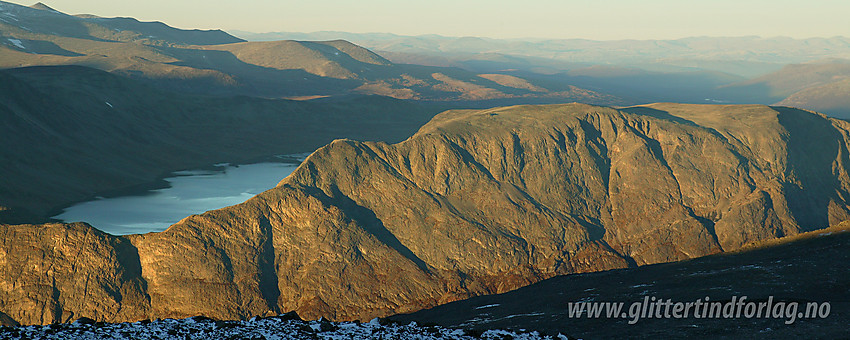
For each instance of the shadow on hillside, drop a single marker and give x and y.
(47, 47)
(693, 88)
(655, 113)
(367, 220)
(809, 270)
(269, 285)
(253, 79)
(814, 148)
(758, 93)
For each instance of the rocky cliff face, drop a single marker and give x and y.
(61, 272)
(477, 202)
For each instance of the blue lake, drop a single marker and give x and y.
(190, 192)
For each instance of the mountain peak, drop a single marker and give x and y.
(43, 7)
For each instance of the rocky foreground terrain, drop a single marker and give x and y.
(283, 327)
(477, 202)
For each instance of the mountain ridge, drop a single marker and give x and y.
(476, 202)
(731, 70)
(41, 19)
(759, 55)
(215, 62)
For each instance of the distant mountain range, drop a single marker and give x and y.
(41, 21)
(744, 56)
(214, 62)
(806, 73)
(472, 71)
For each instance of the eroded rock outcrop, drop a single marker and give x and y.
(60, 272)
(477, 202)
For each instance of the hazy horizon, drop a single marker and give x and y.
(236, 31)
(542, 19)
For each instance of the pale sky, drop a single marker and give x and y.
(588, 19)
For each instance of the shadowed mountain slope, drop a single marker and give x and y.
(796, 77)
(40, 19)
(823, 86)
(476, 202)
(71, 132)
(799, 270)
(833, 98)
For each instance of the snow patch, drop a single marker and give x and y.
(488, 306)
(17, 43)
(522, 315)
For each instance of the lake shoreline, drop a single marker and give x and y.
(161, 183)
